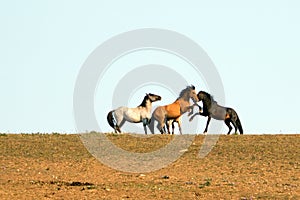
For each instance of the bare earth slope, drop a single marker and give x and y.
(54, 166)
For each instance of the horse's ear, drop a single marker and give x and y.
(193, 87)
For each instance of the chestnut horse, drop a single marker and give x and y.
(173, 111)
(212, 109)
(116, 118)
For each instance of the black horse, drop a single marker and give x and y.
(211, 109)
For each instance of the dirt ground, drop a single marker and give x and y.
(56, 166)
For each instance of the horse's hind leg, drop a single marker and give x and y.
(161, 125)
(161, 128)
(118, 127)
(235, 126)
(158, 126)
(227, 122)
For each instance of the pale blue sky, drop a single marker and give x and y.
(255, 47)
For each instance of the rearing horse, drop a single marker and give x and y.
(212, 109)
(173, 111)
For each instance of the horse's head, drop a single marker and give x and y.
(193, 94)
(201, 95)
(204, 96)
(153, 97)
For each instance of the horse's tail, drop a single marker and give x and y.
(239, 125)
(151, 125)
(110, 119)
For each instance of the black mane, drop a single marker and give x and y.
(210, 97)
(143, 104)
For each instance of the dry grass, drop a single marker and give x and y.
(43, 166)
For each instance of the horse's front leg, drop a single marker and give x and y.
(146, 122)
(173, 127)
(191, 118)
(191, 108)
(168, 126)
(207, 123)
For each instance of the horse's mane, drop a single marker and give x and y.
(209, 96)
(185, 90)
(143, 104)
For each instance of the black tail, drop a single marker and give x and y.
(110, 119)
(239, 125)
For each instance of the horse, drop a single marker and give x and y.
(211, 109)
(116, 118)
(174, 110)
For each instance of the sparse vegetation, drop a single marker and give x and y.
(206, 183)
(57, 166)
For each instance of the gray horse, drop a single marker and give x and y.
(116, 118)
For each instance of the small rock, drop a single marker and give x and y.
(165, 177)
